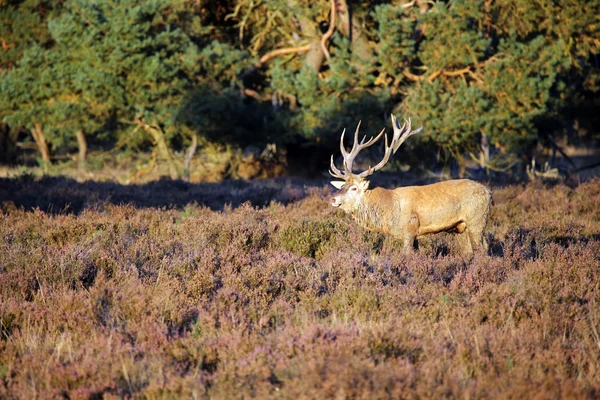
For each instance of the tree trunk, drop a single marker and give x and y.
(82, 144)
(8, 144)
(188, 157)
(349, 26)
(423, 6)
(40, 140)
(314, 57)
(484, 154)
(162, 148)
(310, 30)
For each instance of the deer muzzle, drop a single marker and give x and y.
(335, 201)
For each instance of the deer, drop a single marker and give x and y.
(459, 206)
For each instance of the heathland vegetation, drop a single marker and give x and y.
(183, 287)
(238, 290)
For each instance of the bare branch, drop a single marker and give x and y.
(457, 72)
(329, 32)
(406, 72)
(278, 52)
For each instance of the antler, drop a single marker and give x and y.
(400, 135)
(349, 157)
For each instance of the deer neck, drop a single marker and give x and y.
(368, 213)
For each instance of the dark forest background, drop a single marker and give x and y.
(250, 88)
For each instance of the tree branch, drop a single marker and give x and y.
(406, 72)
(433, 76)
(329, 32)
(255, 95)
(457, 72)
(278, 52)
(272, 54)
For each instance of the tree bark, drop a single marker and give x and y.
(310, 30)
(162, 149)
(349, 26)
(40, 140)
(484, 154)
(82, 144)
(423, 6)
(188, 157)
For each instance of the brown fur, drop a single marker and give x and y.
(458, 206)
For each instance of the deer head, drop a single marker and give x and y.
(353, 186)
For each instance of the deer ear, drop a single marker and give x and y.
(364, 185)
(337, 184)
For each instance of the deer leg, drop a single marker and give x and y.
(464, 243)
(408, 234)
(475, 232)
(478, 240)
(408, 243)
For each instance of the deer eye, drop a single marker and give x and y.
(353, 189)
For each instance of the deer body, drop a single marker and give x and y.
(407, 213)
(458, 206)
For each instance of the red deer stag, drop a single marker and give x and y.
(459, 206)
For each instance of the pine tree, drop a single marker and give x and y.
(477, 74)
(22, 26)
(113, 63)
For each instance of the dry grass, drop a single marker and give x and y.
(106, 291)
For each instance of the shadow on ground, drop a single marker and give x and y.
(63, 195)
(60, 195)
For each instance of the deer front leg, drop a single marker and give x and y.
(407, 231)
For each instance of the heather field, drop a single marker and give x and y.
(240, 290)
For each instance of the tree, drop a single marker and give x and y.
(124, 62)
(474, 72)
(22, 26)
(493, 80)
(482, 76)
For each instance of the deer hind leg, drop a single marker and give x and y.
(464, 243)
(475, 231)
(409, 243)
(478, 240)
(477, 222)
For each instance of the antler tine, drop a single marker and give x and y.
(402, 133)
(336, 173)
(342, 148)
(357, 147)
(386, 156)
(356, 135)
(349, 157)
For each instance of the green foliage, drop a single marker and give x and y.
(453, 36)
(23, 24)
(451, 117)
(395, 44)
(501, 88)
(514, 71)
(111, 63)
